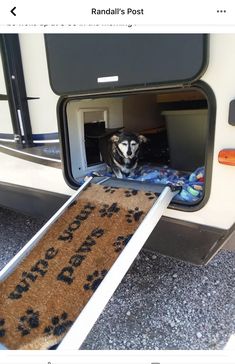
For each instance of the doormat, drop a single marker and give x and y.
(42, 298)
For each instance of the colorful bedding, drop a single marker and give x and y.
(192, 183)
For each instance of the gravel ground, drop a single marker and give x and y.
(161, 303)
(15, 232)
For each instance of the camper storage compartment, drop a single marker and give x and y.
(144, 83)
(175, 124)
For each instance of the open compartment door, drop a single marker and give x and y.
(89, 63)
(62, 279)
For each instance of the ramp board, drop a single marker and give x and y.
(73, 266)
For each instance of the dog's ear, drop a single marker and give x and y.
(114, 138)
(142, 139)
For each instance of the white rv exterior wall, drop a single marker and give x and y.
(220, 76)
(43, 110)
(2, 80)
(5, 116)
(219, 211)
(33, 175)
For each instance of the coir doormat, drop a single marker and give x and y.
(41, 299)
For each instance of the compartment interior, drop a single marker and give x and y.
(175, 124)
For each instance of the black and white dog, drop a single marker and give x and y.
(123, 153)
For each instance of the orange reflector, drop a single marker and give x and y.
(227, 156)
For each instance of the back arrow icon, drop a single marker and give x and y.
(13, 11)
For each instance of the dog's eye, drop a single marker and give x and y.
(125, 143)
(133, 143)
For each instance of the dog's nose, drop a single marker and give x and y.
(129, 152)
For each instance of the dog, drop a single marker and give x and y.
(123, 153)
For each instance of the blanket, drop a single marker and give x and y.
(192, 183)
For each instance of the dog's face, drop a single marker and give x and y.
(128, 143)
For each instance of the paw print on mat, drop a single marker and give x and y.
(86, 210)
(130, 193)
(72, 204)
(28, 322)
(2, 330)
(59, 325)
(94, 280)
(109, 189)
(151, 195)
(89, 206)
(109, 210)
(121, 242)
(134, 215)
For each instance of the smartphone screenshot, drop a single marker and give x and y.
(117, 155)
